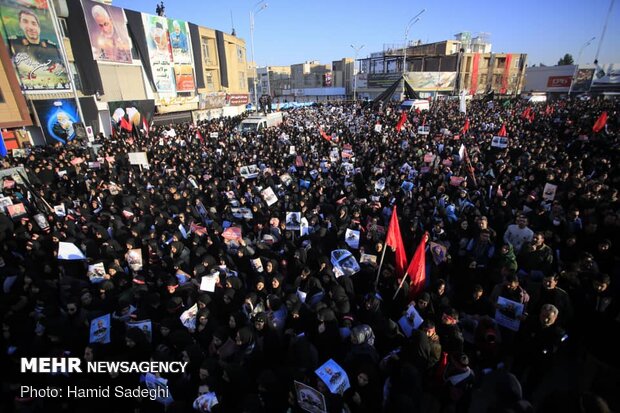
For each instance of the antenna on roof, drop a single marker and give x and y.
(232, 23)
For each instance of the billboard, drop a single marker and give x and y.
(431, 80)
(107, 31)
(559, 81)
(57, 117)
(583, 80)
(33, 45)
(382, 80)
(160, 52)
(179, 41)
(184, 78)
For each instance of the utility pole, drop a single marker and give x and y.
(357, 49)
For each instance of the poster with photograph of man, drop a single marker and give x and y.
(334, 377)
(145, 325)
(100, 330)
(134, 259)
(509, 313)
(249, 171)
(352, 238)
(96, 272)
(269, 196)
(310, 399)
(293, 221)
(410, 321)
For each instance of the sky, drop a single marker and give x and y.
(294, 31)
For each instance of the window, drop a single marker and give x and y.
(240, 54)
(205, 50)
(241, 81)
(501, 62)
(209, 81)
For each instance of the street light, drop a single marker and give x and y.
(357, 49)
(411, 22)
(263, 6)
(586, 44)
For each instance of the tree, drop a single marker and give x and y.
(566, 60)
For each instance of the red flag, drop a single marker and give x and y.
(145, 126)
(526, 113)
(324, 135)
(600, 123)
(417, 268)
(531, 117)
(401, 122)
(199, 136)
(395, 241)
(466, 125)
(502, 131)
(424, 121)
(128, 126)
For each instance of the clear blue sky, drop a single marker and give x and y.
(292, 31)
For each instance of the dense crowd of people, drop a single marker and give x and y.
(536, 223)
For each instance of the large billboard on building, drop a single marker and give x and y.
(431, 81)
(382, 80)
(583, 79)
(107, 30)
(57, 117)
(160, 52)
(559, 81)
(179, 41)
(29, 32)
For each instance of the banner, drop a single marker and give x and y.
(136, 111)
(33, 45)
(179, 42)
(382, 80)
(160, 52)
(583, 80)
(57, 118)
(506, 74)
(107, 30)
(474, 74)
(184, 78)
(430, 81)
(607, 75)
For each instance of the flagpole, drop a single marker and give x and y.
(400, 286)
(380, 263)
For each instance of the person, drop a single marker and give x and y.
(518, 234)
(536, 258)
(108, 43)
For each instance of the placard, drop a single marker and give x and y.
(293, 221)
(69, 251)
(344, 263)
(188, 318)
(508, 313)
(96, 272)
(424, 130)
(352, 238)
(145, 325)
(456, 180)
(249, 171)
(100, 330)
(549, 192)
(410, 321)
(269, 196)
(138, 158)
(500, 142)
(368, 259)
(334, 377)
(208, 282)
(134, 259)
(310, 399)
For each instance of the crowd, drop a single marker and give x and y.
(536, 223)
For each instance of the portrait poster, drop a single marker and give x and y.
(334, 377)
(508, 313)
(269, 196)
(134, 111)
(33, 45)
(100, 330)
(57, 118)
(410, 321)
(352, 238)
(180, 42)
(310, 399)
(293, 221)
(134, 259)
(145, 325)
(188, 318)
(160, 52)
(96, 272)
(107, 30)
(549, 192)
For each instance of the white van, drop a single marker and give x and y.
(256, 123)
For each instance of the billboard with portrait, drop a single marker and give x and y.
(179, 41)
(107, 31)
(430, 81)
(33, 44)
(583, 79)
(57, 117)
(160, 52)
(184, 78)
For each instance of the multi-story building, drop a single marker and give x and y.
(444, 67)
(274, 80)
(93, 63)
(342, 74)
